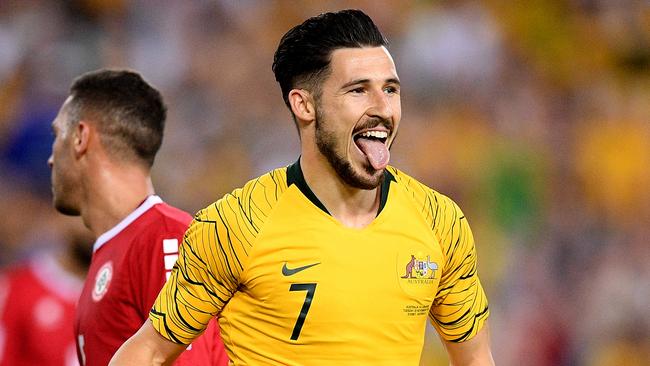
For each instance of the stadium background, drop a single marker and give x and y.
(534, 116)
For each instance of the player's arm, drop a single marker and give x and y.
(147, 347)
(460, 309)
(474, 352)
(204, 278)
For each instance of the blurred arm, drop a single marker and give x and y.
(147, 347)
(474, 352)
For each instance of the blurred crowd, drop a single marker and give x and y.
(534, 116)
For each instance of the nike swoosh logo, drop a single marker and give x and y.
(292, 271)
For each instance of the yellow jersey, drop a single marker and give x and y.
(291, 285)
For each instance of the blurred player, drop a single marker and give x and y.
(107, 134)
(337, 259)
(37, 302)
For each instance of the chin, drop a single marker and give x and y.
(65, 209)
(365, 178)
(375, 180)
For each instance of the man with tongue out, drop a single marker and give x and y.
(338, 258)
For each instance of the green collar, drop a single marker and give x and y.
(295, 176)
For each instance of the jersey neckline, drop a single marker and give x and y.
(110, 234)
(295, 176)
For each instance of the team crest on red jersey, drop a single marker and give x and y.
(102, 280)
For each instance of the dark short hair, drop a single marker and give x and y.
(304, 53)
(130, 114)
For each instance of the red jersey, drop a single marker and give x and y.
(37, 304)
(129, 266)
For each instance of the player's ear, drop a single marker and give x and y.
(302, 105)
(81, 138)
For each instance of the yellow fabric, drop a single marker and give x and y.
(371, 289)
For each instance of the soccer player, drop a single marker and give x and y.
(38, 300)
(107, 134)
(337, 259)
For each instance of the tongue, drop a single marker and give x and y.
(376, 152)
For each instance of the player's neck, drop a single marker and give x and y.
(113, 192)
(352, 207)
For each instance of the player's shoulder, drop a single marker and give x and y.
(406, 181)
(416, 189)
(172, 215)
(429, 200)
(163, 220)
(240, 215)
(252, 200)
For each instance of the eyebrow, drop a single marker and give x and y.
(365, 81)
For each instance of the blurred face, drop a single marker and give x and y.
(358, 113)
(64, 177)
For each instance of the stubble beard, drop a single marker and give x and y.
(64, 207)
(326, 142)
(59, 194)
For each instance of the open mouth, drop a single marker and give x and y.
(381, 136)
(372, 143)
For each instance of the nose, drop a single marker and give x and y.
(50, 161)
(381, 105)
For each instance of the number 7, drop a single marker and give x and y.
(311, 289)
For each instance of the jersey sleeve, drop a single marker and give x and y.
(206, 274)
(148, 267)
(460, 307)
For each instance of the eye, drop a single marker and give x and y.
(358, 90)
(391, 90)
